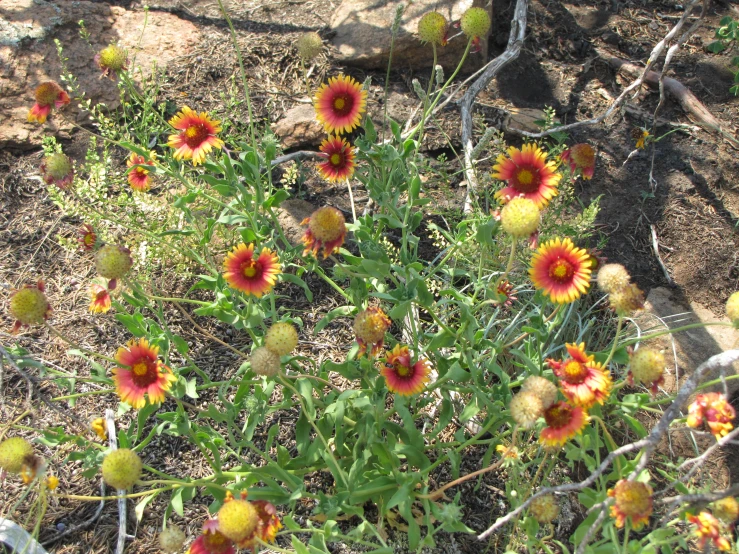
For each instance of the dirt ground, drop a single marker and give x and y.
(692, 202)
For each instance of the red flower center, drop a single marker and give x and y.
(100, 297)
(575, 372)
(216, 542)
(144, 372)
(251, 269)
(526, 179)
(196, 134)
(561, 271)
(342, 104)
(558, 416)
(336, 160)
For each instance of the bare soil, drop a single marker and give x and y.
(692, 203)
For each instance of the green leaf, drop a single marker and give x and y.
(299, 547)
(176, 502)
(141, 506)
(341, 311)
(180, 344)
(294, 279)
(716, 47)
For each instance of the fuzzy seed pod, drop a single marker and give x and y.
(171, 539)
(112, 261)
(732, 309)
(726, 509)
(526, 408)
(13, 454)
(475, 22)
(520, 217)
(121, 468)
(541, 387)
(627, 300)
(309, 45)
(282, 338)
(29, 305)
(612, 277)
(544, 508)
(432, 28)
(112, 58)
(265, 362)
(647, 365)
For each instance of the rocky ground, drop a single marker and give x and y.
(689, 209)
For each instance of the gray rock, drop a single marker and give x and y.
(299, 127)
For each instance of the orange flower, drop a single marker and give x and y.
(403, 377)
(268, 524)
(244, 273)
(212, 541)
(339, 156)
(326, 229)
(370, 326)
(144, 374)
(87, 237)
(47, 94)
(582, 157)
(631, 499)
(340, 104)
(561, 270)
(99, 299)
(583, 380)
(197, 136)
(716, 410)
(564, 422)
(528, 174)
(708, 528)
(138, 177)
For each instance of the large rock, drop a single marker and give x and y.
(28, 56)
(299, 127)
(363, 32)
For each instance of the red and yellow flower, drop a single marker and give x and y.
(212, 541)
(326, 230)
(632, 499)
(582, 380)
(99, 299)
(87, 237)
(48, 94)
(563, 423)
(715, 409)
(708, 528)
(340, 104)
(339, 156)
(528, 174)
(580, 156)
(249, 275)
(561, 270)
(268, 524)
(141, 374)
(402, 376)
(370, 326)
(197, 135)
(138, 177)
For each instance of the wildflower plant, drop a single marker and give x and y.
(499, 333)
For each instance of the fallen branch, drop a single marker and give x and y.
(513, 49)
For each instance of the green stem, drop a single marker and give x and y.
(619, 326)
(676, 330)
(79, 394)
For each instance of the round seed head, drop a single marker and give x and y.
(121, 468)
(541, 387)
(647, 365)
(433, 28)
(13, 454)
(57, 165)
(113, 261)
(265, 362)
(171, 539)
(237, 519)
(29, 305)
(520, 217)
(526, 408)
(475, 22)
(282, 338)
(626, 300)
(544, 508)
(370, 325)
(612, 277)
(309, 45)
(112, 57)
(726, 509)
